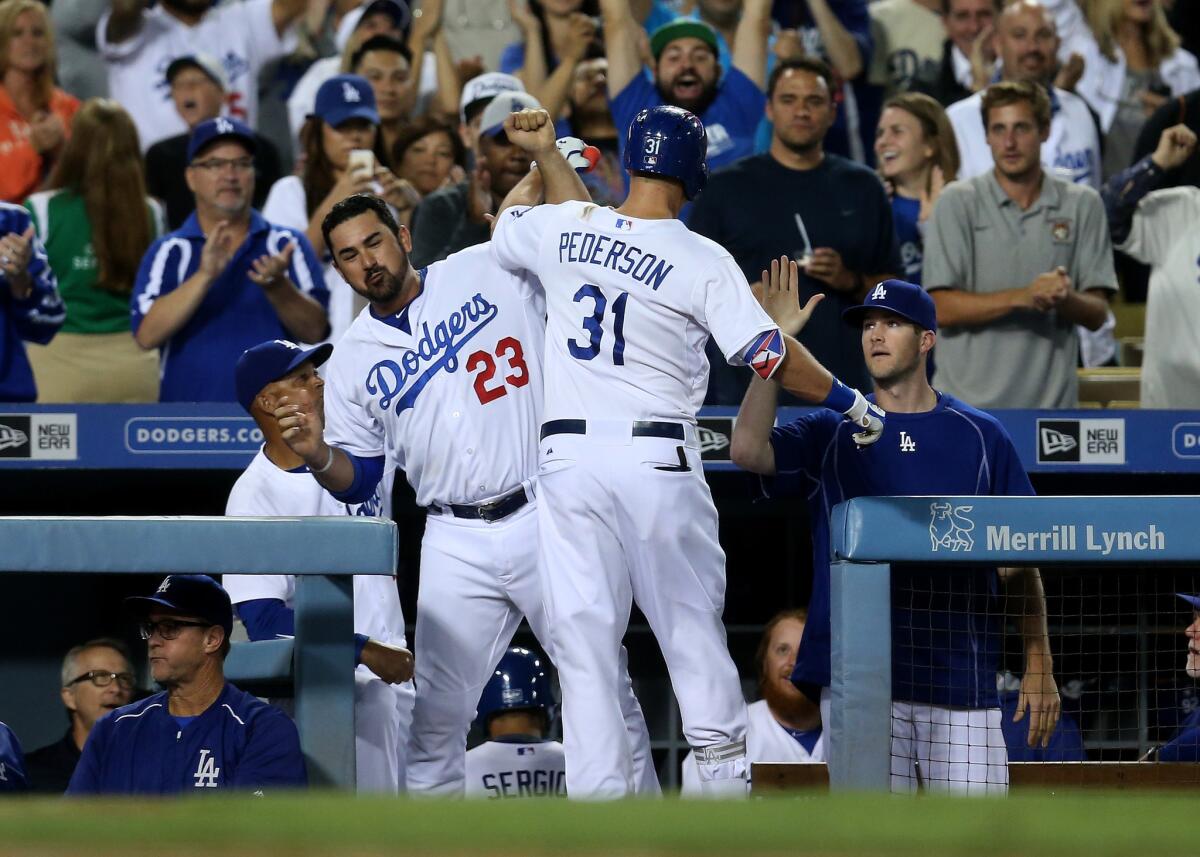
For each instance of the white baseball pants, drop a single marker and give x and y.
(382, 719)
(477, 581)
(945, 750)
(616, 529)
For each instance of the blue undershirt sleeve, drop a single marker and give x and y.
(367, 473)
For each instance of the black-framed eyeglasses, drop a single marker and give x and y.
(218, 165)
(168, 629)
(103, 678)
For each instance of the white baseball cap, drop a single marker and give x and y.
(486, 86)
(499, 108)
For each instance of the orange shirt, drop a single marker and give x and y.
(20, 165)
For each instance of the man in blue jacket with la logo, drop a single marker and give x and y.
(201, 732)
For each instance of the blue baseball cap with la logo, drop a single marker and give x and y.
(270, 361)
(344, 97)
(212, 130)
(904, 299)
(187, 595)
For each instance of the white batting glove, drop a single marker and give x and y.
(869, 417)
(579, 154)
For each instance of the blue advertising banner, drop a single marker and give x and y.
(222, 437)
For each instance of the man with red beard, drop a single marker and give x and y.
(688, 74)
(785, 725)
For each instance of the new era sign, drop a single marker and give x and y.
(1087, 441)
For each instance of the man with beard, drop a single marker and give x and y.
(687, 74)
(1015, 259)
(947, 624)
(828, 213)
(227, 279)
(785, 725)
(139, 40)
(1027, 44)
(456, 217)
(442, 376)
(200, 732)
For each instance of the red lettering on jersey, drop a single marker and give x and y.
(518, 375)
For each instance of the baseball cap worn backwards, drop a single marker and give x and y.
(270, 361)
(682, 28)
(207, 64)
(492, 121)
(344, 97)
(896, 296)
(187, 595)
(211, 130)
(485, 87)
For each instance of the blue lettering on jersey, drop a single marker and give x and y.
(621, 257)
(437, 349)
(1081, 164)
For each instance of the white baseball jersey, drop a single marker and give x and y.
(509, 768)
(1071, 152)
(766, 741)
(1164, 236)
(631, 303)
(450, 387)
(267, 490)
(240, 35)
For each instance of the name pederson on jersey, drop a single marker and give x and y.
(631, 304)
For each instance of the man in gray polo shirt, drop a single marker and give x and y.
(1014, 259)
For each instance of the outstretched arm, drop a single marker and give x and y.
(533, 131)
(1039, 692)
(750, 41)
(620, 44)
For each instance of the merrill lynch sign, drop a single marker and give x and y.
(952, 528)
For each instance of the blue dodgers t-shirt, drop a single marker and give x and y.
(196, 364)
(758, 209)
(35, 318)
(239, 742)
(729, 121)
(905, 215)
(946, 621)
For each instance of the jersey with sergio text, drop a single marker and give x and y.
(515, 766)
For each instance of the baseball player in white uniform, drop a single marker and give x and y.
(516, 710)
(277, 483)
(624, 512)
(785, 725)
(442, 375)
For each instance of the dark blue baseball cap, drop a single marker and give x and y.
(1194, 600)
(270, 361)
(188, 595)
(904, 299)
(344, 97)
(211, 130)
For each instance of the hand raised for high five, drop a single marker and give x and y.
(779, 295)
(269, 272)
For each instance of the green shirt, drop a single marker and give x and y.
(60, 218)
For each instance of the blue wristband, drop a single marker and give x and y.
(841, 398)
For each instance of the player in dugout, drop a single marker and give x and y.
(200, 732)
(1185, 746)
(947, 623)
(516, 708)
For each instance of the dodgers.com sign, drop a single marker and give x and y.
(192, 435)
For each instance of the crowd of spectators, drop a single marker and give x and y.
(853, 135)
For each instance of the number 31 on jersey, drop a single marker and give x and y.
(593, 325)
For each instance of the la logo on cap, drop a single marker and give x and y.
(162, 587)
(349, 93)
(286, 344)
(879, 294)
(224, 126)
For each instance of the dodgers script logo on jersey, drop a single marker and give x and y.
(436, 350)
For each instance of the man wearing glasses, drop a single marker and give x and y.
(200, 732)
(96, 679)
(227, 279)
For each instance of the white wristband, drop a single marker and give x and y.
(328, 464)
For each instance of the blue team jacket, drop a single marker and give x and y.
(35, 318)
(240, 742)
(12, 762)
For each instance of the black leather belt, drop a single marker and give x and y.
(641, 428)
(490, 512)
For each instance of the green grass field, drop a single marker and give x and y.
(1066, 825)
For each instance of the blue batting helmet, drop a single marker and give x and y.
(518, 682)
(669, 142)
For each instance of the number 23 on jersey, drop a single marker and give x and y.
(514, 371)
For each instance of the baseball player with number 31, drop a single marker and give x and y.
(624, 513)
